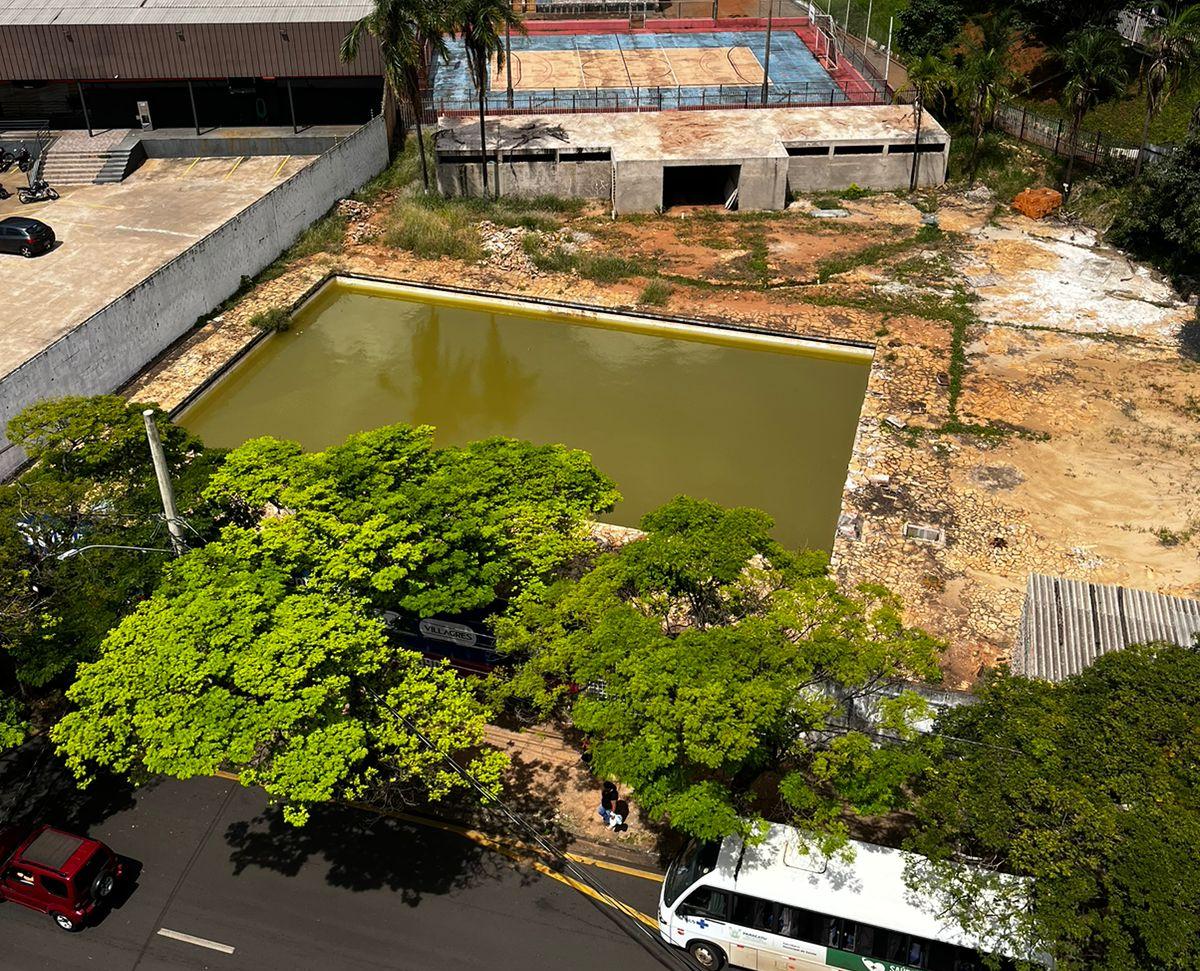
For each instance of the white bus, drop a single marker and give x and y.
(772, 906)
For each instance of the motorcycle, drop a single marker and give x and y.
(23, 159)
(4, 193)
(40, 191)
(7, 160)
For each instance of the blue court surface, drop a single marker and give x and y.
(796, 77)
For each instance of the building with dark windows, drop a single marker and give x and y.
(88, 63)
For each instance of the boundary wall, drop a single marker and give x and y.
(110, 347)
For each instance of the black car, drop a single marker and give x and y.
(25, 236)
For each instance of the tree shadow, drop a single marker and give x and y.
(36, 787)
(366, 851)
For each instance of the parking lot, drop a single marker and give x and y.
(113, 236)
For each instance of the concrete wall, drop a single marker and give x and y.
(114, 344)
(816, 173)
(569, 180)
(233, 147)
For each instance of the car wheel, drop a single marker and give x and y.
(27, 251)
(103, 886)
(66, 922)
(708, 956)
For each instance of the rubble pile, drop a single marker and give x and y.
(358, 215)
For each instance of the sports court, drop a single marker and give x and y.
(587, 69)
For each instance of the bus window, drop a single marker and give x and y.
(705, 902)
(918, 952)
(695, 861)
(866, 939)
(754, 912)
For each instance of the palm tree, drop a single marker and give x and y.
(1094, 63)
(404, 30)
(929, 77)
(1175, 51)
(986, 78)
(483, 25)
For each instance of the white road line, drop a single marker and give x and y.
(198, 941)
(148, 229)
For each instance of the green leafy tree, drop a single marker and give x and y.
(484, 26)
(1174, 54)
(409, 32)
(90, 485)
(1094, 61)
(1160, 219)
(925, 27)
(986, 76)
(1090, 788)
(256, 655)
(484, 520)
(715, 660)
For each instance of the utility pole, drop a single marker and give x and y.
(164, 482)
(767, 62)
(508, 60)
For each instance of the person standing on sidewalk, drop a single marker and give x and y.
(608, 805)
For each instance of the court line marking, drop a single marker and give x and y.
(670, 67)
(198, 941)
(240, 160)
(285, 161)
(192, 166)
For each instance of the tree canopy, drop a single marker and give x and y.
(454, 528)
(254, 655)
(1091, 788)
(90, 483)
(711, 659)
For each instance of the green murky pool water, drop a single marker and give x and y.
(663, 408)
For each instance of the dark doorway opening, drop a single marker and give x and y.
(700, 185)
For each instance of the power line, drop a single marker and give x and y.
(514, 817)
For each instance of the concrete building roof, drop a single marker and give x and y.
(93, 12)
(1067, 624)
(688, 135)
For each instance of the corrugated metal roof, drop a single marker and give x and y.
(1067, 624)
(80, 12)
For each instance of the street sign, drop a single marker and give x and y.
(444, 630)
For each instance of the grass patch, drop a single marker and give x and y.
(272, 319)
(425, 227)
(656, 293)
(1122, 118)
(925, 236)
(600, 267)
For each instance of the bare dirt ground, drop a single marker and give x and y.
(1067, 445)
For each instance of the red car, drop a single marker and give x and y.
(56, 873)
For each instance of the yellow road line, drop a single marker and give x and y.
(235, 167)
(516, 851)
(285, 161)
(192, 166)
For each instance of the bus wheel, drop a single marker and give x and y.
(708, 956)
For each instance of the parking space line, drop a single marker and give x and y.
(235, 166)
(192, 166)
(198, 941)
(285, 161)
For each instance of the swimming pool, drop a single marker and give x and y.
(664, 407)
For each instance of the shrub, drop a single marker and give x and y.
(656, 293)
(273, 318)
(1160, 220)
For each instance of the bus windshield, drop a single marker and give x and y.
(696, 860)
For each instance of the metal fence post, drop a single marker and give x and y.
(1058, 137)
(1024, 113)
(1096, 150)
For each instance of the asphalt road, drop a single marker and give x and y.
(350, 890)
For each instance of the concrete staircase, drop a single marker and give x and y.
(76, 159)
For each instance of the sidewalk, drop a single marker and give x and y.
(552, 785)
